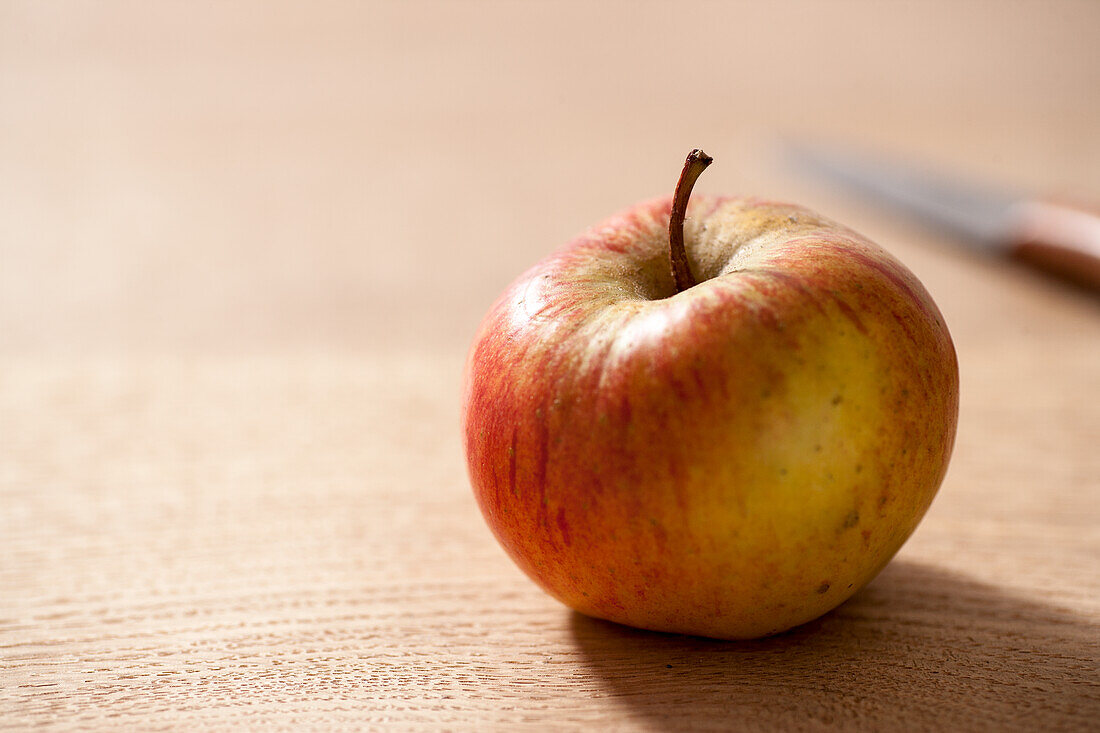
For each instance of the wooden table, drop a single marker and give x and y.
(243, 248)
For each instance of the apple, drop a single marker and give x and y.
(720, 418)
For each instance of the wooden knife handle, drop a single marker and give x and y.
(1059, 238)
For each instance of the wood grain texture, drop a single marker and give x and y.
(242, 252)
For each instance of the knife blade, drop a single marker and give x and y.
(1060, 238)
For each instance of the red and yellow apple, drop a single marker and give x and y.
(729, 457)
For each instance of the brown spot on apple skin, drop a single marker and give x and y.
(866, 537)
(823, 588)
(851, 520)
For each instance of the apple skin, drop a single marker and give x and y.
(729, 461)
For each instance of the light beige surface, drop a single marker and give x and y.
(242, 250)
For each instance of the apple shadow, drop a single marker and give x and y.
(919, 648)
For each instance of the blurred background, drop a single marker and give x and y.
(245, 245)
(237, 175)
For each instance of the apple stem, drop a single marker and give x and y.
(697, 162)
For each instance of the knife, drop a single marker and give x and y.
(1060, 238)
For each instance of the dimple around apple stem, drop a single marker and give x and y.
(697, 162)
